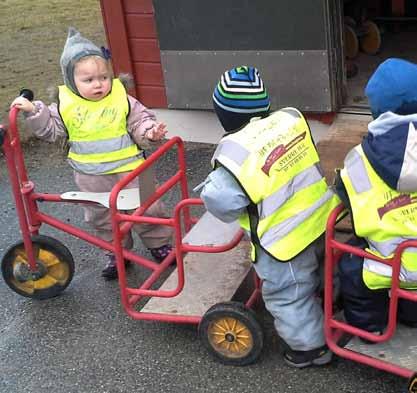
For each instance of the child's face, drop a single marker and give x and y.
(92, 78)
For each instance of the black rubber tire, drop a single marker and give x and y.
(241, 336)
(412, 384)
(61, 270)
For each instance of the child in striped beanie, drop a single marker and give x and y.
(230, 193)
(239, 96)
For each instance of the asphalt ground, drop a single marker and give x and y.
(82, 341)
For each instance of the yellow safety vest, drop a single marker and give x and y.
(277, 165)
(384, 217)
(97, 134)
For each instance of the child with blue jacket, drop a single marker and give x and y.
(379, 185)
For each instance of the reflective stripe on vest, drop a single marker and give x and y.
(276, 163)
(390, 219)
(97, 135)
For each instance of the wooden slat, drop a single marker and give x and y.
(209, 279)
(149, 74)
(131, 33)
(153, 96)
(141, 26)
(202, 234)
(144, 50)
(114, 24)
(138, 6)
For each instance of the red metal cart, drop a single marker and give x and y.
(211, 257)
(395, 351)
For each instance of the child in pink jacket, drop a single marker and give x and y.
(106, 130)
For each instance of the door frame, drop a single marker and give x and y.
(334, 42)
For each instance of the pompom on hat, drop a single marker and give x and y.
(76, 47)
(393, 87)
(239, 96)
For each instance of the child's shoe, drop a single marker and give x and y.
(314, 357)
(160, 253)
(110, 271)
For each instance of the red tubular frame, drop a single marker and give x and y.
(30, 220)
(335, 329)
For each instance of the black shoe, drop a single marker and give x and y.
(160, 253)
(110, 271)
(314, 357)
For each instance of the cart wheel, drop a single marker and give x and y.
(55, 268)
(231, 333)
(351, 42)
(412, 384)
(371, 41)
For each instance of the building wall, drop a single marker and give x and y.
(176, 49)
(287, 40)
(132, 37)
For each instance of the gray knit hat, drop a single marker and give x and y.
(76, 47)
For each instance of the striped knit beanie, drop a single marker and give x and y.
(239, 96)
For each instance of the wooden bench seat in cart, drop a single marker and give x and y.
(209, 278)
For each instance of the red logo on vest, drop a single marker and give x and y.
(279, 151)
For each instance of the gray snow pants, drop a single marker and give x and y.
(290, 292)
(98, 217)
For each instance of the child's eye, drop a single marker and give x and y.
(89, 80)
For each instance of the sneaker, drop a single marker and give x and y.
(110, 271)
(160, 253)
(314, 357)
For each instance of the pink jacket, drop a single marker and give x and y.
(46, 123)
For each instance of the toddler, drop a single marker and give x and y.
(267, 175)
(106, 130)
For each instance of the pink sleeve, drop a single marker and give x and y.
(45, 122)
(140, 120)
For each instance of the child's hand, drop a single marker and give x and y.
(157, 132)
(23, 104)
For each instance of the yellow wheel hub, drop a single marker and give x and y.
(54, 268)
(53, 271)
(230, 337)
